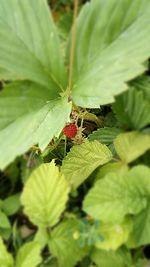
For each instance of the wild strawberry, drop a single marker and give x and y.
(70, 130)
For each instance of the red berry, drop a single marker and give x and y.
(70, 130)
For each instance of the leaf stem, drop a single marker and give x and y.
(73, 43)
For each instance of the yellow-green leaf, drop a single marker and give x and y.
(130, 146)
(83, 159)
(6, 259)
(45, 195)
(29, 255)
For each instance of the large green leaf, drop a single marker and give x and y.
(112, 43)
(29, 255)
(83, 159)
(6, 259)
(126, 193)
(133, 109)
(129, 146)
(21, 98)
(29, 44)
(27, 119)
(45, 195)
(63, 246)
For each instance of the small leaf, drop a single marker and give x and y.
(4, 222)
(82, 160)
(6, 259)
(29, 255)
(11, 204)
(45, 195)
(130, 146)
(126, 193)
(141, 229)
(114, 235)
(132, 109)
(110, 167)
(120, 258)
(63, 246)
(105, 135)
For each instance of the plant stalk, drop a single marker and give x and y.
(73, 44)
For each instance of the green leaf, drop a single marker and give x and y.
(105, 135)
(142, 83)
(141, 230)
(115, 51)
(132, 109)
(42, 237)
(4, 222)
(114, 235)
(11, 204)
(6, 259)
(21, 98)
(5, 233)
(82, 160)
(63, 246)
(120, 258)
(45, 195)
(29, 127)
(130, 146)
(126, 193)
(110, 167)
(29, 255)
(29, 44)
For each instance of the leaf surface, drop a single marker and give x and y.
(27, 118)
(115, 51)
(83, 159)
(45, 195)
(29, 44)
(105, 135)
(126, 193)
(63, 246)
(6, 259)
(132, 108)
(119, 258)
(29, 255)
(129, 146)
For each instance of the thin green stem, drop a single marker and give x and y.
(65, 146)
(73, 44)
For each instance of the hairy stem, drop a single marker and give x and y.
(73, 43)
